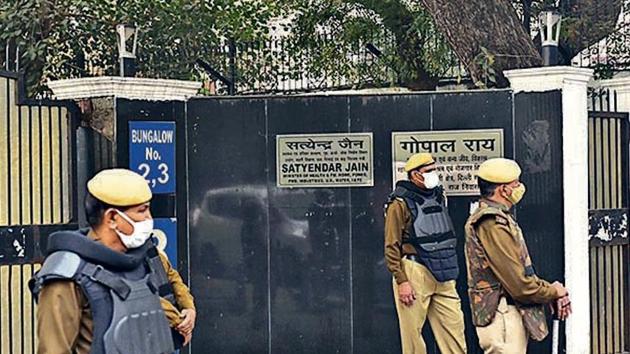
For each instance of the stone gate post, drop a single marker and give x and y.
(572, 82)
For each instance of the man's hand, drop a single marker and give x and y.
(563, 307)
(406, 294)
(188, 324)
(187, 338)
(562, 291)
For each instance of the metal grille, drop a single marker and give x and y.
(36, 174)
(279, 66)
(608, 204)
(9, 57)
(100, 152)
(17, 319)
(35, 161)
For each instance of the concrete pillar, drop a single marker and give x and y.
(573, 83)
(132, 88)
(96, 96)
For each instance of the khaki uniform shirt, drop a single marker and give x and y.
(397, 222)
(503, 249)
(64, 319)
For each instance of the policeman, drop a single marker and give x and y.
(506, 296)
(177, 303)
(99, 291)
(420, 253)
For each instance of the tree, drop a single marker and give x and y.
(75, 38)
(412, 43)
(482, 28)
(423, 36)
(586, 22)
(408, 45)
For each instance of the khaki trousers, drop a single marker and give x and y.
(506, 333)
(436, 301)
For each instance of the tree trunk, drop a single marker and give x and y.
(469, 25)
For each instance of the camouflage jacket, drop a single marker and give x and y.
(484, 289)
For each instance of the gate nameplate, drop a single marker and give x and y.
(152, 153)
(458, 154)
(325, 160)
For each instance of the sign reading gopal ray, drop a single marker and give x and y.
(458, 154)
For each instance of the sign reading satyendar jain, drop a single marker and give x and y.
(458, 154)
(325, 160)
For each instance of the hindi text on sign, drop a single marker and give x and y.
(324, 160)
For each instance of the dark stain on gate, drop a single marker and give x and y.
(302, 270)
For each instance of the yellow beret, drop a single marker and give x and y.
(499, 170)
(418, 160)
(119, 187)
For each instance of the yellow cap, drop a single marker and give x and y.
(418, 160)
(119, 187)
(499, 170)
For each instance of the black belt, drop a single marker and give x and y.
(509, 300)
(430, 239)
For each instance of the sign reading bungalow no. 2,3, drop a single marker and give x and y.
(152, 153)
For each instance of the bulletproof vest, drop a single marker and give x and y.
(159, 276)
(121, 290)
(431, 232)
(484, 289)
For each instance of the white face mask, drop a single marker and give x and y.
(431, 180)
(142, 231)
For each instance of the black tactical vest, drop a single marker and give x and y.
(431, 233)
(121, 289)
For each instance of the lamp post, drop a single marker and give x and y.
(127, 44)
(549, 22)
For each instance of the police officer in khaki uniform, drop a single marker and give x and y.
(506, 296)
(420, 253)
(90, 278)
(180, 306)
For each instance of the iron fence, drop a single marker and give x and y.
(283, 64)
(37, 167)
(278, 65)
(9, 57)
(608, 218)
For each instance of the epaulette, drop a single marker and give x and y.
(502, 220)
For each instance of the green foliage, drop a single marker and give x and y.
(614, 52)
(73, 38)
(325, 41)
(411, 48)
(485, 60)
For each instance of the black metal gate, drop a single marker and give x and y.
(252, 250)
(37, 170)
(608, 232)
(260, 283)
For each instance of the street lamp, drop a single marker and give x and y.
(549, 22)
(127, 43)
